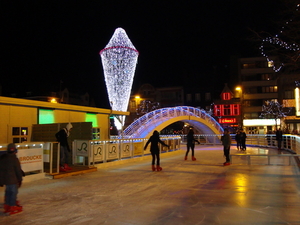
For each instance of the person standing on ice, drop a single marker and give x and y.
(226, 142)
(154, 149)
(62, 138)
(11, 175)
(190, 144)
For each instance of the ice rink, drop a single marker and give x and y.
(184, 192)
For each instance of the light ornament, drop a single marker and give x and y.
(119, 59)
(279, 42)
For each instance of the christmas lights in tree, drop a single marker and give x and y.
(119, 59)
(285, 45)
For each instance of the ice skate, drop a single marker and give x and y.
(158, 168)
(13, 210)
(62, 169)
(193, 158)
(226, 163)
(153, 168)
(66, 166)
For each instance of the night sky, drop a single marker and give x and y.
(180, 42)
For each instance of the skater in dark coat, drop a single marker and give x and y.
(154, 149)
(190, 144)
(279, 138)
(238, 140)
(62, 138)
(243, 140)
(226, 142)
(11, 175)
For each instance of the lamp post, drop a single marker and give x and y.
(239, 91)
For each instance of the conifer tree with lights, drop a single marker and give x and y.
(271, 109)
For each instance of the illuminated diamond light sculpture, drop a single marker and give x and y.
(119, 59)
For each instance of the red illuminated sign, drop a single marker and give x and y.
(227, 120)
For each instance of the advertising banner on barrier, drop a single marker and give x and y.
(126, 149)
(31, 159)
(81, 147)
(138, 148)
(112, 151)
(98, 151)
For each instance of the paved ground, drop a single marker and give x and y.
(184, 192)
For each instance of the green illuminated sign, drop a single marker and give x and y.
(92, 118)
(46, 116)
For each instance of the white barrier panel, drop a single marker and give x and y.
(126, 149)
(31, 159)
(138, 148)
(98, 151)
(112, 151)
(81, 147)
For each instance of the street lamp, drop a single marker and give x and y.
(239, 94)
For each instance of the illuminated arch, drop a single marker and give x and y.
(159, 119)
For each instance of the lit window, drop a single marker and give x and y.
(19, 134)
(270, 63)
(226, 96)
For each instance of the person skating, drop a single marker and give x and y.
(279, 138)
(191, 144)
(226, 142)
(238, 140)
(243, 140)
(154, 149)
(11, 175)
(62, 138)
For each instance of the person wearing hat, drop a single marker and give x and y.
(11, 175)
(62, 138)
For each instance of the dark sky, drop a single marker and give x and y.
(180, 42)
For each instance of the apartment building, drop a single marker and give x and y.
(259, 83)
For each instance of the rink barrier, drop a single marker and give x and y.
(91, 152)
(41, 157)
(289, 142)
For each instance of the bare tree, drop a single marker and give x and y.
(146, 106)
(283, 48)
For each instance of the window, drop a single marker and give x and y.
(248, 65)
(197, 97)
(217, 110)
(267, 76)
(19, 134)
(96, 133)
(207, 96)
(189, 97)
(270, 63)
(227, 110)
(226, 96)
(289, 94)
(269, 89)
(132, 105)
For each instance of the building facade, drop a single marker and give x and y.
(259, 83)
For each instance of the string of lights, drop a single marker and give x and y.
(119, 59)
(278, 41)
